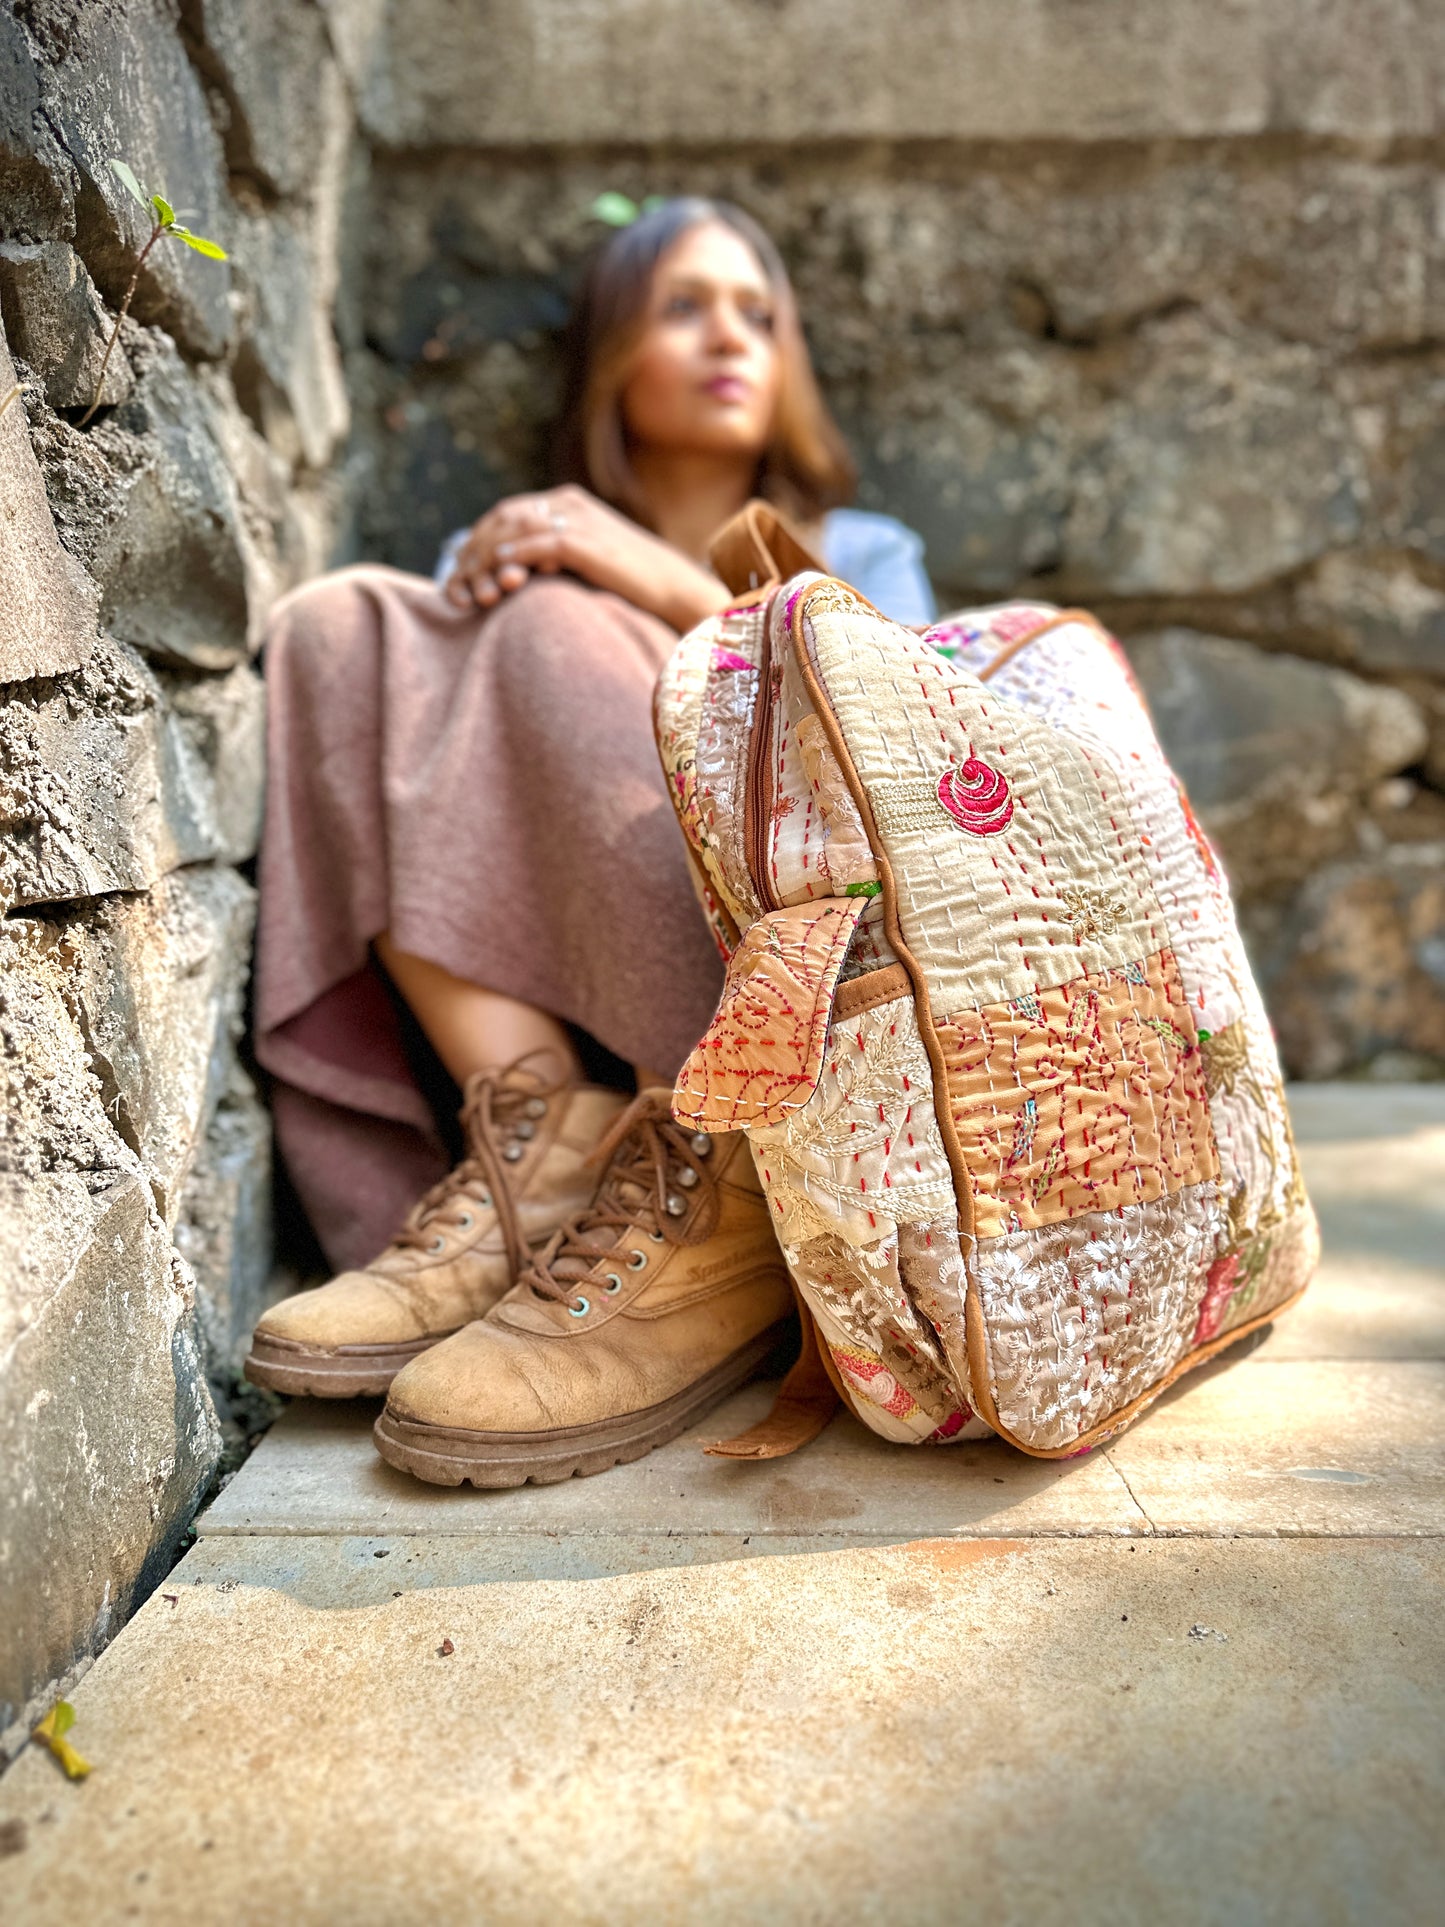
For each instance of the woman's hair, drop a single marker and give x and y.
(806, 467)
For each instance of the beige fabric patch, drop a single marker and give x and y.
(1031, 822)
(1085, 1316)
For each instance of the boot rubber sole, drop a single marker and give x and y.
(446, 1455)
(353, 1371)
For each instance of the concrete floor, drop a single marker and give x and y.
(1194, 1677)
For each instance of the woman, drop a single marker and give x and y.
(466, 818)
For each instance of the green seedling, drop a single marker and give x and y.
(163, 222)
(620, 210)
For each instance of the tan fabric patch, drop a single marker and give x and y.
(1081, 1098)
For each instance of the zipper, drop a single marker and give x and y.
(760, 772)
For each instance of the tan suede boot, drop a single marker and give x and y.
(462, 1245)
(640, 1314)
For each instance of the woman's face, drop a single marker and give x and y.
(705, 376)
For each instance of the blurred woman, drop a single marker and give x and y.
(467, 827)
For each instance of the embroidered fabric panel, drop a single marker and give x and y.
(865, 1154)
(1081, 1098)
(1017, 866)
(816, 845)
(704, 744)
(1084, 1317)
(1081, 680)
(762, 1055)
(885, 1352)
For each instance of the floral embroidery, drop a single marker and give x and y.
(977, 796)
(1091, 913)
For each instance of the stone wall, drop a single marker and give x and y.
(140, 556)
(1127, 302)
(1131, 302)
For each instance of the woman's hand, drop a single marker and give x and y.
(567, 528)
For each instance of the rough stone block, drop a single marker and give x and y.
(107, 1432)
(116, 82)
(1277, 754)
(58, 325)
(224, 1228)
(170, 559)
(289, 371)
(271, 61)
(157, 983)
(47, 602)
(1220, 469)
(37, 190)
(554, 71)
(1357, 966)
(100, 786)
(1378, 613)
(224, 720)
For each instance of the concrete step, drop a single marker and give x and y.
(1098, 1731)
(1194, 1676)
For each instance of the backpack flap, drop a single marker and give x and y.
(762, 1055)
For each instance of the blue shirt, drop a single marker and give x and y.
(874, 554)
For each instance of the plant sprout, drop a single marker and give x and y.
(620, 210)
(163, 219)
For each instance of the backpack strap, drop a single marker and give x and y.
(806, 1400)
(758, 549)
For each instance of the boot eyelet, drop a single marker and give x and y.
(687, 1177)
(535, 1107)
(526, 1128)
(657, 1237)
(437, 1244)
(613, 1285)
(484, 1199)
(636, 1260)
(701, 1144)
(513, 1153)
(580, 1309)
(675, 1205)
(466, 1221)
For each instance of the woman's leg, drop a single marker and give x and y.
(470, 1028)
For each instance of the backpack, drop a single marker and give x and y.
(987, 1020)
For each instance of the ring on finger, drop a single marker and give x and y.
(557, 519)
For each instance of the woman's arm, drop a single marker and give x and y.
(567, 528)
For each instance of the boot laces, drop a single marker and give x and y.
(656, 1178)
(499, 1114)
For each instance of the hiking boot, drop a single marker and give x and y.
(642, 1312)
(526, 1171)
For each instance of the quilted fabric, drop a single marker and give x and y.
(1050, 1165)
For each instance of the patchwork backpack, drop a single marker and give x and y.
(987, 1020)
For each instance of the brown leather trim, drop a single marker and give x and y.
(867, 992)
(962, 1184)
(758, 548)
(1011, 649)
(988, 1411)
(805, 1401)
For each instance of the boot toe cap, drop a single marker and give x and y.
(356, 1308)
(472, 1382)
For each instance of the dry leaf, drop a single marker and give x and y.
(445, 1650)
(51, 1732)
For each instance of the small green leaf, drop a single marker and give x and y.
(165, 213)
(617, 210)
(210, 249)
(64, 1717)
(128, 181)
(863, 889)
